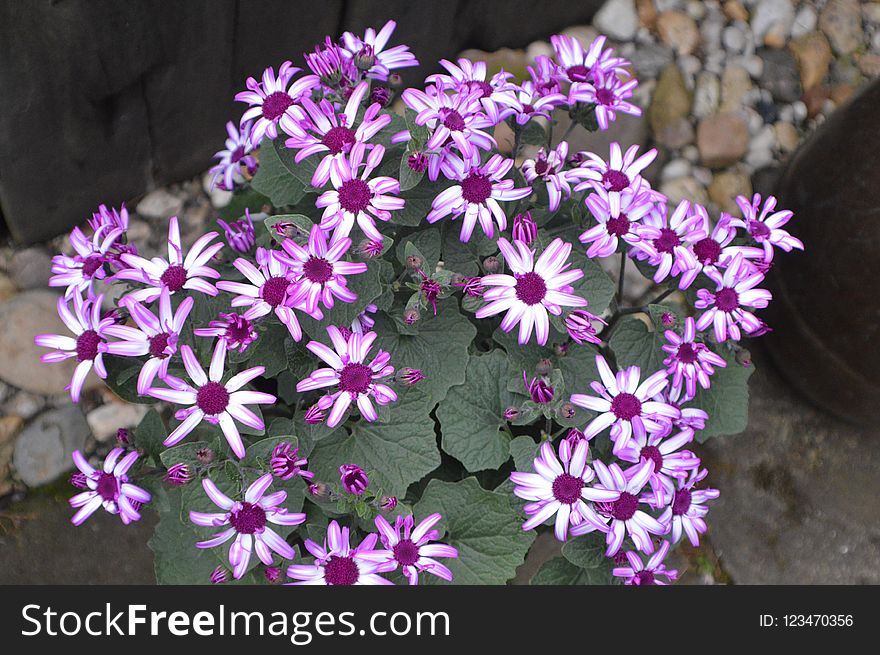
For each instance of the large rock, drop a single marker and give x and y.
(618, 19)
(43, 450)
(23, 317)
(679, 31)
(31, 268)
(671, 100)
(841, 20)
(780, 75)
(814, 57)
(9, 429)
(722, 139)
(772, 20)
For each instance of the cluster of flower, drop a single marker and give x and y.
(331, 117)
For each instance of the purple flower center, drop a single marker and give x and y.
(338, 139)
(626, 406)
(318, 270)
(274, 290)
(707, 251)
(667, 241)
(645, 578)
(476, 188)
(238, 330)
(249, 519)
(158, 344)
(578, 73)
(236, 155)
(605, 96)
(527, 108)
(341, 571)
(687, 354)
(484, 87)
(530, 288)
(653, 453)
(541, 166)
(91, 265)
(276, 104)
(212, 398)
(615, 180)
(453, 121)
(174, 277)
(355, 378)
(567, 488)
(108, 486)
(624, 508)
(406, 552)
(681, 503)
(87, 345)
(727, 299)
(618, 226)
(355, 196)
(758, 230)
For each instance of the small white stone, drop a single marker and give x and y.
(107, 419)
(676, 168)
(159, 204)
(800, 110)
(734, 39)
(617, 19)
(804, 21)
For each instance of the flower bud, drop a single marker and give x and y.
(353, 479)
(205, 456)
(524, 228)
(410, 376)
(219, 575)
(417, 161)
(414, 262)
(567, 411)
(318, 490)
(273, 574)
(388, 503)
(491, 264)
(668, 319)
(411, 316)
(543, 367)
(177, 475)
(123, 436)
(381, 95)
(511, 414)
(365, 58)
(744, 357)
(79, 480)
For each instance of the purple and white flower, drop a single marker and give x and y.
(353, 479)
(247, 520)
(356, 381)
(764, 225)
(533, 103)
(237, 153)
(727, 308)
(691, 418)
(78, 271)
(579, 66)
(610, 94)
(497, 94)
(108, 488)
(408, 546)
(625, 405)
(337, 563)
(670, 463)
(548, 167)
(211, 400)
(269, 99)
(618, 216)
(534, 289)
(476, 195)
(234, 330)
(374, 44)
(641, 573)
(240, 234)
(687, 509)
(286, 462)
(580, 325)
(622, 170)
(690, 361)
(561, 489)
(175, 273)
(667, 240)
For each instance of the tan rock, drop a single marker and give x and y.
(869, 64)
(684, 188)
(7, 287)
(841, 20)
(734, 10)
(671, 100)
(813, 54)
(842, 92)
(679, 31)
(735, 85)
(722, 139)
(726, 186)
(787, 138)
(647, 13)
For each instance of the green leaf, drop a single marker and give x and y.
(472, 415)
(595, 286)
(726, 401)
(398, 451)
(150, 433)
(533, 134)
(303, 225)
(634, 345)
(409, 179)
(465, 257)
(187, 453)
(559, 571)
(438, 348)
(418, 202)
(278, 175)
(425, 244)
(122, 375)
(586, 552)
(482, 525)
(524, 450)
(268, 351)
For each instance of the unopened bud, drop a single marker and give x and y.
(411, 316)
(543, 367)
(491, 264)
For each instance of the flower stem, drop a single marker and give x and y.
(621, 277)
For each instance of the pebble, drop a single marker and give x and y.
(711, 30)
(787, 138)
(804, 21)
(9, 428)
(869, 64)
(647, 13)
(736, 83)
(7, 287)
(679, 31)
(43, 450)
(871, 12)
(671, 100)
(650, 59)
(734, 10)
(772, 18)
(722, 139)
(23, 316)
(707, 94)
(676, 168)
(714, 62)
(617, 19)
(676, 134)
(537, 48)
(107, 419)
(159, 203)
(760, 152)
(726, 186)
(31, 268)
(696, 9)
(734, 38)
(684, 188)
(767, 110)
(25, 404)
(813, 54)
(780, 76)
(841, 20)
(691, 153)
(702, 175)
(800, 110)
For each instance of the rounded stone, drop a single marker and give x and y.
(43, 450)
(722, 139)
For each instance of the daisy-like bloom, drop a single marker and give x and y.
(667, 240)
(408, 546)
(78, 271)
(373, 44)
(212, 400)
(691, 418)
(545, 77)
(497, 94)
(178, 272)
(107, 219)
(286, 462)
(735, 293)
(689, 361)
(534, 288)
(333, 66)
(622, 510)
(318, 128)
(234, 330)
(714, 250)
(388, 503)
(619, 172)
(476, 195)
(271, 98)
(625, 405)
(459, 117)
(320, 270)
(235, 156)
(687, 509)
(153, 336)
(88, 343)
(581, 328)
(548, 167)
(247, 520)
(337, 563)
(268, 289)
(670, 462)
(357, 198)
(764, 225)
(618, 216)
(532, 103)
(363, 322)
(640, 573)
(524, 228)
(353, 479)
(609, 93)
(240, 234)
(561, 489)
(108, 488)
(356, 381)
(579, 66)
